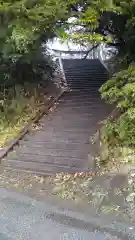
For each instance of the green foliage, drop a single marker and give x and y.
(109, 21)
(96, 21)
(31, 67)
(24, 22)
(121, 91)
(24, 26)
(17, 106)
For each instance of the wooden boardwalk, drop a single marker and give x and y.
(62, 143)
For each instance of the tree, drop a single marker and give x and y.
(94, 21)
(24, 26)
(27, 22)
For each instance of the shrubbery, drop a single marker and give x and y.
(120, 90)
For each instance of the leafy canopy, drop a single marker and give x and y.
(24, 26)
(26, 22)
(120, 89)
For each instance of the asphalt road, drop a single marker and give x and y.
(24, 218)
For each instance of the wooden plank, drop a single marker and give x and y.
(34, 166)
(50, 154)
(47, 160)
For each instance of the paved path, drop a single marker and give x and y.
(62, 144)
(22, 218)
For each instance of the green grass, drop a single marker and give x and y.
(17, 106)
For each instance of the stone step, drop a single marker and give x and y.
(67, 113)
(86, 98)
(91, 81)
(91, 98)
(74, 78)
(88, 106)
(76, 86)
(85, 68)
(81, 87)
(94, 70)
(86, 72)
(82, 92)
(88, 77)
(85, 104)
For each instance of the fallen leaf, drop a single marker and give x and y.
(42, 180)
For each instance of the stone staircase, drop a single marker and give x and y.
(62, 144)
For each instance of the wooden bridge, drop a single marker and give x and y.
(63, 142)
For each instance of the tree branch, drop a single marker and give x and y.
(90, 51)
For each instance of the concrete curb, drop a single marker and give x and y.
(4, 151)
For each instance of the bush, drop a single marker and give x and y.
(120, 90)
(34, 67)
(17, 106)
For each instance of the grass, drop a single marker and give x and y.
(17, 106)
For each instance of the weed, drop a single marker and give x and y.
(17, 106)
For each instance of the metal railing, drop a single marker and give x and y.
(100, 51)
(75, 54)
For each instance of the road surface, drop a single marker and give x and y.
(25, 218)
